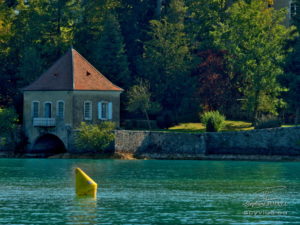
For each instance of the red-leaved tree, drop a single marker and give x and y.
(213, 88)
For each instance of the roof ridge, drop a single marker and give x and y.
(95, 69)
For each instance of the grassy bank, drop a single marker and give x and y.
(230, 125)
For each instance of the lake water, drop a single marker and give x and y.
(41, 191)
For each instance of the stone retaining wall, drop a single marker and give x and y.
(277, 141)
(161, 144)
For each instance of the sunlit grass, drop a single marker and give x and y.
(230, 125)
(290, 125)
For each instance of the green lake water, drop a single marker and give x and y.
(41, 191)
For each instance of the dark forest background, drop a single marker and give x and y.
(239, 57)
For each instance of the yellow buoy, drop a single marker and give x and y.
(85, 186)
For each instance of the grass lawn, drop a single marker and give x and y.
(230, 125)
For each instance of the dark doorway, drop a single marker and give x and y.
(47, 145)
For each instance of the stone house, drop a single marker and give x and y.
(69, 92)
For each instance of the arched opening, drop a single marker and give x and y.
(47, 145)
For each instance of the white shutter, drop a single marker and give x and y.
(110, 110)
(99, 110)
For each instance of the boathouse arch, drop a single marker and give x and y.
(48, 144)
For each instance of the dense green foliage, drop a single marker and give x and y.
(8, 121)
(167, 59)
(254, 68)
(109, 53)
(95, 137)
(213, 121)
(204, 55)
(292, 78)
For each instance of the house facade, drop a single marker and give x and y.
(68, 93)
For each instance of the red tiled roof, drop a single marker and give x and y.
(72, 72)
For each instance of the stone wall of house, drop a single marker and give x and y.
(278, 141)
(62, 125)
(73, 112)
(95, 97)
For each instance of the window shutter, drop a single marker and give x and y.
(110, 110)
(99, 110)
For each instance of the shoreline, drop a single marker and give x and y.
(129, 156)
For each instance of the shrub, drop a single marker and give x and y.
(267, 122)
(213, 121)
(95, 137)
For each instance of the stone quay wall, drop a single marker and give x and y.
(173, 145)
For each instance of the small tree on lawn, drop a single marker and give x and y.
(139, 99)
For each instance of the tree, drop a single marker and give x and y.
(213, 83)
(292, 80)
(134, 17)
(49, 26)
(254, 37)
(109, 54)
(8, 121)
(90, 24)
(204, 15)
(167, 60)
(6, 62)
(139, 99)
(31, 66)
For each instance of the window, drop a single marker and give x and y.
(47, 110)
(87, 110)
(105, 110)
(60, 109)
(35, 109)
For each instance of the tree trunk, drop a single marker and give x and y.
(256, 103)
(147, 117)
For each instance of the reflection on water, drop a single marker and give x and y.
(41, 191)
(83, 211)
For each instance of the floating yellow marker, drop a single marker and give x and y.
(85, 186)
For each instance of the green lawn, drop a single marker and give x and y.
(289, 125)
(230, 125)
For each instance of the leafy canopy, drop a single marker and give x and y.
(254, 37)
